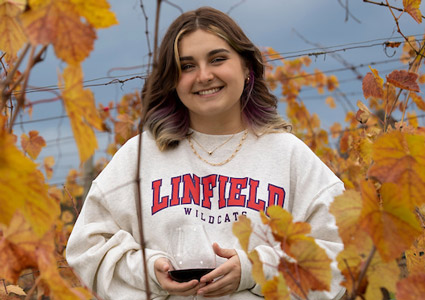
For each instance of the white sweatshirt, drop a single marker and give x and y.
(179, 188)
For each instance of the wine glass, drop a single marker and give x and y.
(192, 253)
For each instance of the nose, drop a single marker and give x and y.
(204, 74)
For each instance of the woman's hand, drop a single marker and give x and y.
(227, 276)
(162, 266)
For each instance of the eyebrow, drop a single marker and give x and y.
(211, 53)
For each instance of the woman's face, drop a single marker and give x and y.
(211, 82)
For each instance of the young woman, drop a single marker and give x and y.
(214, 148)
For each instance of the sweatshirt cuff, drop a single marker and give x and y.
(246, 282)
(155, 286)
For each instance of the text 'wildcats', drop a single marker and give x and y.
(232, 192)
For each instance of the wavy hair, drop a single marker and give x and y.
(165, 116)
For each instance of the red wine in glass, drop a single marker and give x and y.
(185, 275)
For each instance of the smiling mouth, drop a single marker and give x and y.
(209, 92)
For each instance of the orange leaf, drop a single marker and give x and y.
(58, 23)
(390, 221)
(415, 258)
(331, 102)
(276, 289)
(17, 248)
(12, 36)
(336, 130)
(58, 287)
(96, 12)
(22, 187)
(81, 109)
(412, 8)
(372, 85)
(312, 267)
(242, 230)
(404, 80)
(49, 161)
(400, 158)
(411, 288)
(420, 103)
(283, 229)
(392, 44)
(32, 144)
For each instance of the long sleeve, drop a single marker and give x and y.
(106, 257)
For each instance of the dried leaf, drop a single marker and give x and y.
(412, 8)
(16, 289)
(242, 230)
(404, 80)
(32, 144)
(400, 158)
(81, 109)
(363, 113)
(12, 36)
(390, 221)
(373, 85)
(392, 44)
(411, 288)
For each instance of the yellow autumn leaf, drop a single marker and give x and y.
(80, 107)
(413, 119)
(330, 101)
(48, 163)
(276, 289)
(380, 275)
(12, 36)
(59, 23)
(96, 12)
(346, 209)
(32, 144)
(283, 229)
(242, 230)
(388, 219)
(257, 268)
(21, 181)
(400, 158)
(412, 7)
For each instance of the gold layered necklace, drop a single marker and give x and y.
(189, 139)
(213, 150)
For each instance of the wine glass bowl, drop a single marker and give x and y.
(192, 253)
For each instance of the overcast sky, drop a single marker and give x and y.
(268, 23)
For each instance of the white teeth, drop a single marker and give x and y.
(207, 92)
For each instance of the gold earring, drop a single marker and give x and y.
(248, 79)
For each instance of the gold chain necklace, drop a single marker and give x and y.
(189, 139)
(212, 151)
